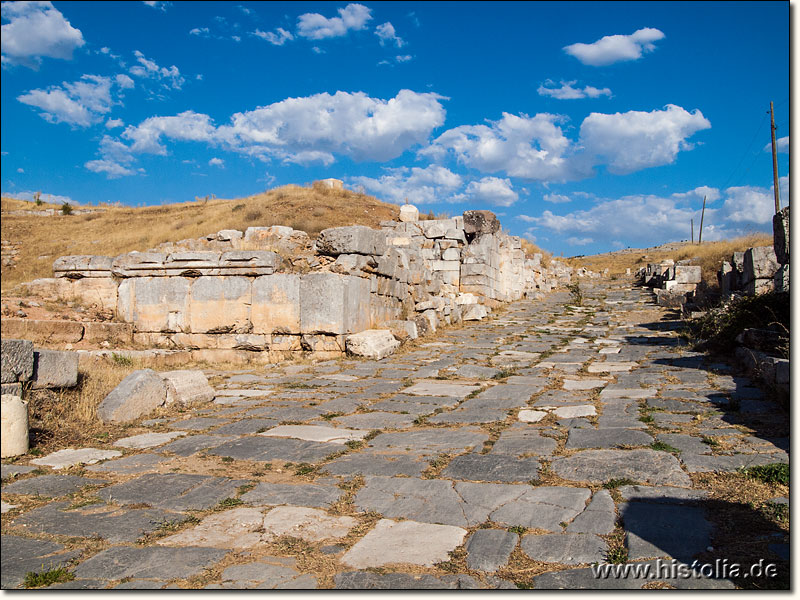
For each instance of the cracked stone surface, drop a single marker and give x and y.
(564, 548)
(50, 485)
(173, 491)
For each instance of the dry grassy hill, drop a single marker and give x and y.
(114, 230)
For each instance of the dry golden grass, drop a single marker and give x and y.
(529, 248)
(117, 229)
(708, 255)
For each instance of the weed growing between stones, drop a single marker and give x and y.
(663, 447)
(35, 579)
(613, 484)
(772, 473)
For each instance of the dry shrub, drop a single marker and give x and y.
(529, 248)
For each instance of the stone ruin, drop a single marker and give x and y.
(271, 293)
(674, 284)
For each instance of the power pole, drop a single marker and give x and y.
(774, 160)
(693, 231)
(702, 215)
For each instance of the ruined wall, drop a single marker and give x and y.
(270, 289)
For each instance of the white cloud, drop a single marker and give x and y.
(556, 198)
(149, 69)
(521, 146)
(615, 48)
(157, 4)
(636, 140)
(112, 123)
(568, 92)
(403, 58)
(711, 194)
(186, 126)
(492, 190)
(110, 168)
(36, 30)
(30, 196)
(419, 186)
(387, 34)
(781, 145)
(124, 82)
(20, 170)
(314, 26)
(277, 38)
(575, 241)
(78, 103)
(309, 157)
(216, 162)
(750, 205)
(202, 31)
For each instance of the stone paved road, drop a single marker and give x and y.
(514, 452)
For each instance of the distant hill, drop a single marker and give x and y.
(36, 241)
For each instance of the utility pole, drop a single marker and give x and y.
(702, 215)
(692, 231)
(774, 160)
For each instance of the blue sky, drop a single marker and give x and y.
(587, 126)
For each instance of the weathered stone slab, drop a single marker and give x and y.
(173, 491)
(148, 440)
(190, 444)
(438, 388)
(404, 542)
(523, 442)
(599, 517)
(377, 464)
(571, 412)
(544, 507)
(17, 360)
(610, 367)
(310, 524)
(69, 457)
(428, 442)
(266, 574)
(531, 416)
(22, 555)
(334, 304)
(373, 344)
(489, 549)
(138, 394)
(128, 465)
(152, 562)
(244, 427)
(607, 438)
(667, 494)
(196, 423)
(565, 548)
(312, 495)
(187, 387)
(266, 449)
(375, 420)
(492, 467)
(54, 369)
(599, 466)
(12, 470)
(651, 530)
(52, 486)
(316, 433)
(583, 384)
(354, 239)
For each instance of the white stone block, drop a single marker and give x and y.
(14, 431)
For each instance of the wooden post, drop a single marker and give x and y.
(774, 160)
(702, 215)
(692, 231)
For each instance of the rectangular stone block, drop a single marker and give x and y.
(354, 239)
(93, 291)
(54, 369)
(220, 305)
(76, 267)
(445, 265)
(760, 263)
(45, 331)
(276, 304)
(16, 360)
(155, 304)
(333, 304)
(129, 265)
(759, 286)
(780, 235)
(114, 333)
(688, 273)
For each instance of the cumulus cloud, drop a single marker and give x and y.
(314, 26)
(615, 48)
(186, 126)
(35, 30)
(201, 31)
(110, 168)
(170, 77)
(556, 198)
(636, 140)
(568, 92)
(277, 38)
(781, 145)
(216, 162)
(80, 103)
(387, 35)
(112, 123)
(124, 82)
(419, 186)
(492, 190)
(576, 241)
(751, 205)
(521, 146)
(709, 193)
(157, 4)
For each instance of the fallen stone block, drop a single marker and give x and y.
(473, 312)
(403, 330)
(409, 213)
(16, 358)
(187, 387)
(54, 369)
(14, 430)
(138, 394)
(354, 239)
(374, 344)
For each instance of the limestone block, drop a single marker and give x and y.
(446, 265)
(133, 263)
(14, 429)
(374, 344)
(187, 387)
(466, 299)
(154, 304)
(451, 254)
(687, 273)
(452, 278)
(114, 333)
(726, 278)
(322, 343)
(220, 305)
(403, 330)
(334, 304)
(276, 304)
(781, 279)
(473, 312)
(780, 233)
(354, 239)
(480, 221)
(409, 213)
(138, 394)
(436, 228)
(43, 331)
(285, 343)
(254, 262)
(229, 235)
(759, 286)
(54, 369)
(16, 358)
(93, 291)
(760, 263)
(277, 238)
(77, 267)
(353, 264)
(456, 234)
(675, 287)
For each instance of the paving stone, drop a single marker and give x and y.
(651, 530)
(272, 494)
(476, 372)
(676, 405)
(51, 486)
(367, 580)
(377, 464)
(663, 419)
(173, 491)
(489, 549)
(151, 562)
(492, 467)
(599, 517)
(94, 520)
(375, 420)
(685, 443)
(583, 384)
(244, 427)
(429, 442)
(9, 471)
(263, 575)
(196, 423)
(610, 367)
(475, 415)
(5, 507)
(186, 446)
(92, 584)
(148, 440)
(607, 438)
(69, 457)
(22, 555)
(544, 507)
(586, 578)
(316, 433)
(599, 466)
(438, 388)
(265, 449)
(504, 395)
(570, 412)
(661, 494)
(426, 500)
(404, 542)
(310, 524)
(523, 442)
(702, 463)
(128, 465)
(531, 416)
(565, 548)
